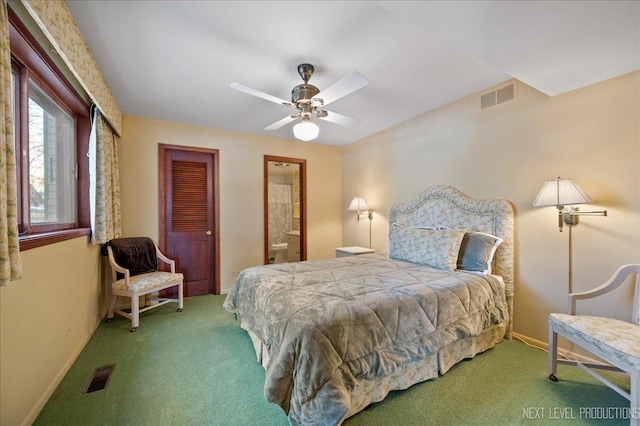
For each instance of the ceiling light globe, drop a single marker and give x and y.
(306, 131)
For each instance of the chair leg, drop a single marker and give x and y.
(112, 307)
(135, 312)
(553, 354)
(634, 405)
(180, 297)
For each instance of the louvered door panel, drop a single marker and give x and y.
(189, 188)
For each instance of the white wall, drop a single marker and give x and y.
(508, 151)
(241, 187)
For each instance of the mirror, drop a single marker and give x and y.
(285, 237)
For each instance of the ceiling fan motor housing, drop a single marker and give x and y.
(303, 93)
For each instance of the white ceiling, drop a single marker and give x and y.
(175, 60)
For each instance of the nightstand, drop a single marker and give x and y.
(352, 251)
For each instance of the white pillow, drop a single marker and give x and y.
(436, 248)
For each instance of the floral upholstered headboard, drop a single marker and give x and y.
(445, 206)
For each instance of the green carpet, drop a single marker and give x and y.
(198, 368)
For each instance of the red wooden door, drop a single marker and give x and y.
(189, 203)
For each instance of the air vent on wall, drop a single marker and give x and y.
(498, 96)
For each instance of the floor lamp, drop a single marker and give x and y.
(564, 194)
(360, 206)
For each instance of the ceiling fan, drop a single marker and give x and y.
(309, 101)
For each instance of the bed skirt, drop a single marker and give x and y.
(367, 392)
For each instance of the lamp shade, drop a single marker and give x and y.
(560, 192)
(306, 130)
(358, 204)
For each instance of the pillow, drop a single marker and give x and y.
(421, 226)
(435, 248)
(477, 251)
(414, 227)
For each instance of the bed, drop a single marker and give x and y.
(336, 335)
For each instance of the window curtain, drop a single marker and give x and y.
(10, 261)
(105, 181)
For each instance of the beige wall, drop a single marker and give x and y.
(46, 318)
(508, 151)
(591, 135)
(241, 187)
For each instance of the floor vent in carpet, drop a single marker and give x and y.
(100, 378)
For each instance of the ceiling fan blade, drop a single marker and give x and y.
(342, 87)
(260, 94)
(340, 119)
(288, 119)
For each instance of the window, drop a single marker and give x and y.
(51, 161)
(51, 135)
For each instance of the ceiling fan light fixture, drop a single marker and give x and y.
(306, 130)
(308, 100)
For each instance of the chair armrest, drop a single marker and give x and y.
(166, 260)
(618, 277)
(117, 268)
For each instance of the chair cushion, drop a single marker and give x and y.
(145, 283)
(619, 339)
(137, 254)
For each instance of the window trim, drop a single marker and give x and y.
(26, 51)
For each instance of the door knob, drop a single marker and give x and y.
(208, 232)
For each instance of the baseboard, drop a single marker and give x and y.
(545, 347)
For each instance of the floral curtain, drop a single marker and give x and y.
(105, 181)
(10, 261)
